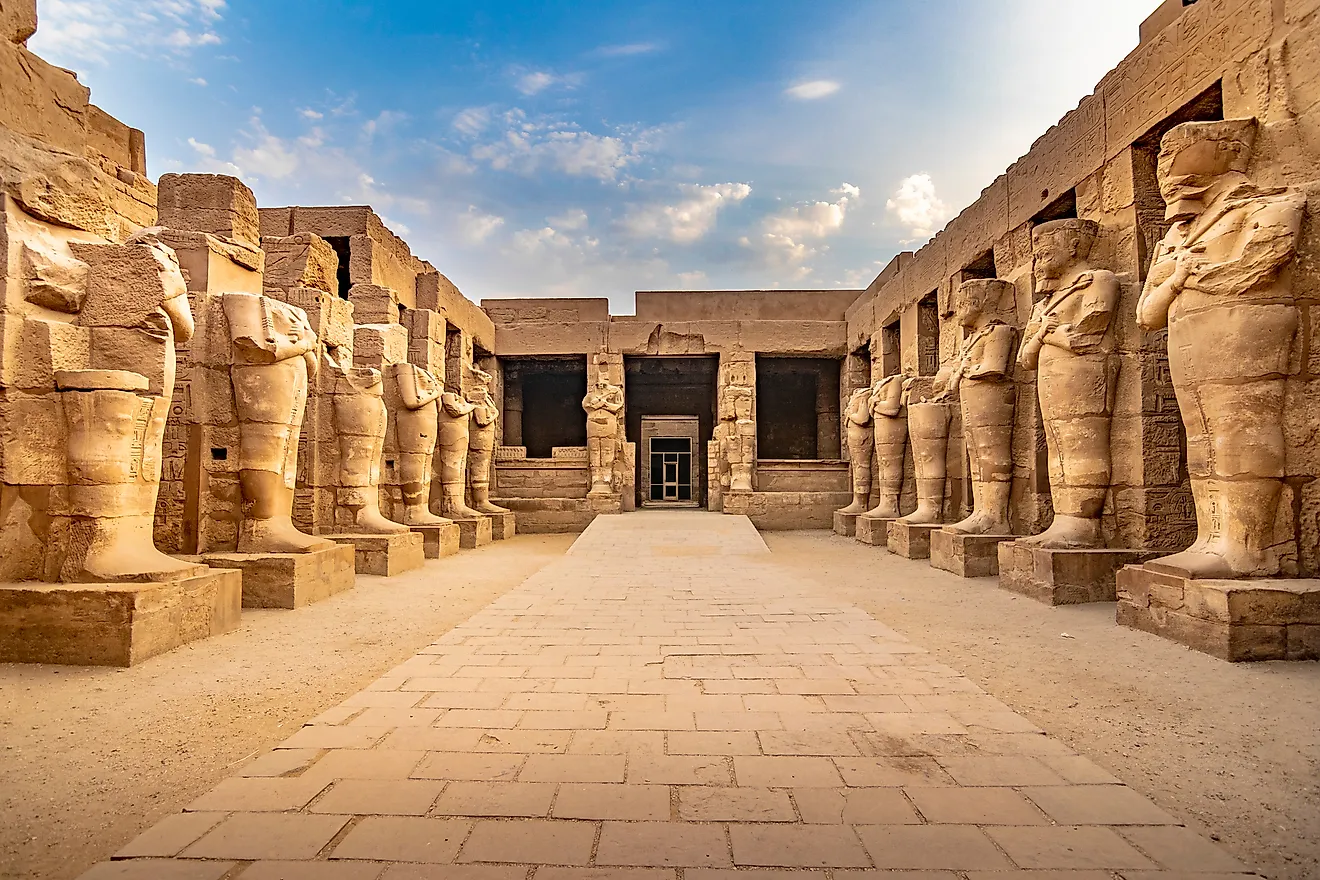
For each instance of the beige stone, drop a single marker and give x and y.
(603, 405)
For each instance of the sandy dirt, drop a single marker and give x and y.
(1232, 749)
(91, 757)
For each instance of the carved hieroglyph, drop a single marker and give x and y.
(603, 404)
(481, 442)
(1222, 284)
(1070, 343)
(416, 428)
(861, 445)
(273, 351)
(455, 416)
(889, 420)
(987, 394)
(359, 419)
(738, 436)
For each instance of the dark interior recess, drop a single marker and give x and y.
(928, 334)
(791, 396)
(983, 266)
(1062, 208)
(670, 386)
(340, 245)
(543, 403)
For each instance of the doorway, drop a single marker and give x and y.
(671, 398)
(670, 461)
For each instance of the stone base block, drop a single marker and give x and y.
(438, 541)
(114, 624)
(290, 580)
(502, 526)
(845, 524)
(385, 555)
(873, 530)
(1064, 577)
(606, 504)
(1236, 620)
(474, 533)
(911, 540)
(969, 556)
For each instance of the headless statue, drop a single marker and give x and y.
(861, 446)
(889, 422)
(416, 427)
(455, 417)
(481, 443)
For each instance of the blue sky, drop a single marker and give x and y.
(594, 148)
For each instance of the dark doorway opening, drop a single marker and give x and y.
(797, 408)
(543, 403)
(340, 245)
(670, 386)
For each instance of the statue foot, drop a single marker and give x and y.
(1067, 533)
(1219, 561)
(125, 564)
(418, 515)
(980, 524)
(462, 511)
(924, 515)
(883, 511)
(491, 509)
(857, 507)
(373, 522)
(277, 535)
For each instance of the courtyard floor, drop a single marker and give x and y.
(671, 696)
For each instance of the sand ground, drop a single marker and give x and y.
(90, 757)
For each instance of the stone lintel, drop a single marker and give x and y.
(1235, 620)
(385, 555)
(114, 624)
(289, 580)
(911, 540)
(1064, 577)
(967, 556)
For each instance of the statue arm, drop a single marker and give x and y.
(180, 314)
(889, 402)
(1086, 333)
(1265, 246)
(455, 406)
(1033, 338)
(998, 353)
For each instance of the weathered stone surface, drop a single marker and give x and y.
(969, 556)
(911, 540)
(385, 555)
(873, 530)
(301, 260)
(1064, 577)
(438, 540)
(845, 524)
(290, 580)
(474, 533)
(216, 204)
(114, 624)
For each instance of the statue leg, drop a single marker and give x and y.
(415, 432)
(988, 424)
(928, 430)
(359, 420)
(480, 460)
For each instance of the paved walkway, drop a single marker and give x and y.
(663, 703)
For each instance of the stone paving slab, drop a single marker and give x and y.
(665, 703)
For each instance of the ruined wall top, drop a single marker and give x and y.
(743, 305)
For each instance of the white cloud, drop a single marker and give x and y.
(689, 219)
(626, 49)
(198, 81)
(384, 121)
(309, 113)
(692, 280)
(812, 89)
(472, 121)
(918, 208)
(208, 162)
(572, 219)
(82, 32)
(477, 225)
(536, 81)
(526, 147)
(784, 241)
(268, 156)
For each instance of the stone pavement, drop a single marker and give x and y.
(666, 703)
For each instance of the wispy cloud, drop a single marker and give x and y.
(536, 81)
(813, 89)
(84, 32)
(477, 225)
(918, 208)
(689, 219)
(625, 49)
(527, 145)
(787, 237)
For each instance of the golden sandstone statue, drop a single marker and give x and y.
(980, 375)
(481, 443)
(603, 404)
(1221, 283)
(416, 428)
(861, 446)
(738, 442)
(455, 414)
(1069, 341)
(887, 404)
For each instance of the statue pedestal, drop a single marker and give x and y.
(474, 533)
(114, 624)
(1261, 619)
(845, 524)
(290, 580)
(606, 504)
(911, 540)
(438, 541)
(968, 556)
(502, 526)
(385, 555)
(873, 530)
(1064, 577)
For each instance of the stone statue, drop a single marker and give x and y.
(861, 446)
(886, 401)
(416, 426)
(455, 420)
(1070, 343)
(980, 375)
(274, 353)
(116, 422)
(603, 404)
(1221, 282)
(481, 443)
(739, 440)
(928, 430)
(359, 420)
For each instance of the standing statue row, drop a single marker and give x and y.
(1221, 285)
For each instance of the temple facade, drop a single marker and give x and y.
(1097, 383)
